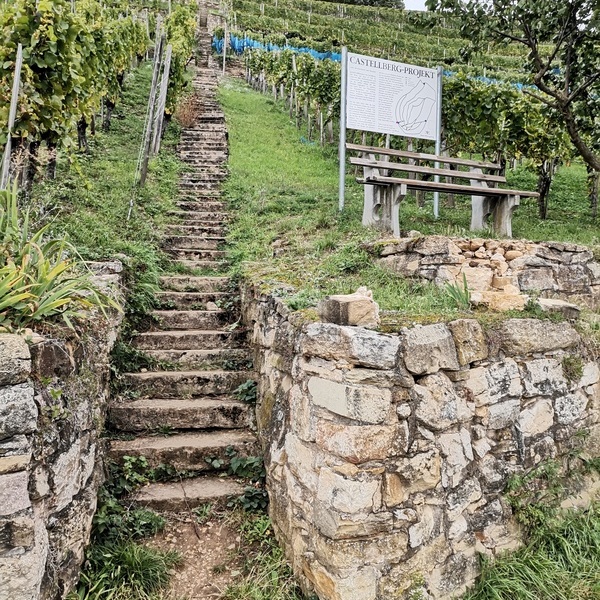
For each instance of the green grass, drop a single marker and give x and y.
(89, 199)
(289, 235)
(560, 562)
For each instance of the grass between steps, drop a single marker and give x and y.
(287, 230)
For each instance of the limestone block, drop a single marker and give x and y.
(537, 280)
(478, 279)
(429, 348)
(520, 337)
(503, 301)
(375, 350)
(14, 496)
(15, 359)
(490, 514)
(301, 458)
(512, 254)
(337, 526)
(572, 279)
(553, 305)
(357, 443)
(351, 309)
(360, 584)
(502, 414)
(543, 377)
(427, 527)
(458, 528)
(66, 476)
(469, 339)
(438, 405)
(436, 244)
(452, 579)
(569, 408)
(368, 404)
(460, 498)
(16, 462)
(353, 554)
(348, 495)
(590, 375)
(302, 420)
(536, 419)
(406, 265)
(457, 453)
(419, 473)
(18, 411)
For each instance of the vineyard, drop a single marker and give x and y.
(75, 59)
(488, 109)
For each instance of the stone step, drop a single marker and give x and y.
(203, 265)
(208, 173)
(174, 384)
(173, 300)
(214, 256)
(188, 451)
(194, 242)
(202, 230)
(181, 496)
(191, 319)
(188, 283)
(199, 413)
(201, 204)
(200, 216)
(192, 339)
(217, 358)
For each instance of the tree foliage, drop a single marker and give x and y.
(563, 44)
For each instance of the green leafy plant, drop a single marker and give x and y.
(248, 467)
(459, 294)
(246, 392)
(37, 279)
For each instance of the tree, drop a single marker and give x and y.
(562, 39)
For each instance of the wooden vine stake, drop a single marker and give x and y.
(162, 102)
(11, 118)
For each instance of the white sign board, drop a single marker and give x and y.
(384, 96)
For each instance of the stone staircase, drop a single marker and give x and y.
(186, 416)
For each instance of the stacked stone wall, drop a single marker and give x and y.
(501, 274)
(53, 395)
(388, 454)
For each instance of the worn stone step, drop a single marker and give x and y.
(193, 339)
(214, 256)
(188, 283)
(192, 319)
(198, 413)
(208, 172)
(189, 216)
(194, 242)
(188, 451)
(181, 496)
(204, 266)
(173, 300)
(203, 360)
(174, 384)
(202, 230)
(201, 204)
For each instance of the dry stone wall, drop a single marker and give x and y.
(387, 455)
(53, 394)
(501, 274)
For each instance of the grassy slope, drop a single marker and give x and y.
(89, 202)
(288, 228)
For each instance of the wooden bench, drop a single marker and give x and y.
(384, 191)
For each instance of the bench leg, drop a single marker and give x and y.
(398, 193)
(481, 208)
(371, 198)
(503, 215)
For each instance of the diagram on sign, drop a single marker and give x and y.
(416, 110)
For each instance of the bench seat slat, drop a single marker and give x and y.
(468, 190)
(421, 156)
(379, 164)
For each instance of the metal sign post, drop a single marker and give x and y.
(342, 148)
(438, 142)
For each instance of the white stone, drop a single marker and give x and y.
(543, 377)
(437, 404)
(348, 495)
(503, 414)
(455, 462)
(66, 474)
(536, 419)
(422, 531)
(368, 404)
(570, 408)
(14, 496)
(590, 375)
(458, 528)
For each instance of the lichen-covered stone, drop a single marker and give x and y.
(15, 359)
(520, 337)
(18, 411)
(470, 341)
